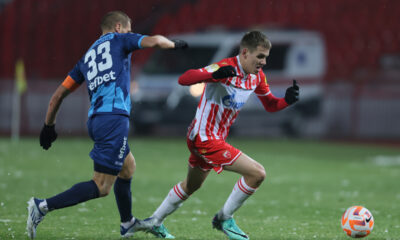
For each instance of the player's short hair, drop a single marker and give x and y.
(111, 18)
(253, 39)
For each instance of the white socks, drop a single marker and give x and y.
(241, 191)
(176, 196)
(172, 201)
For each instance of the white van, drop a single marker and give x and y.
(160, 103)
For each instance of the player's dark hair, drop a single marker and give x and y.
(253, 39)
(111, 18)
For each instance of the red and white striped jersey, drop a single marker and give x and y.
(221, 101)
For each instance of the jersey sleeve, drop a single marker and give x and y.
(76, 74)
(194, 76)
(70, 84)
(272, 103)
(215, 66)
(210, 68)
(263, 88)
(132, 41)
(204, 74)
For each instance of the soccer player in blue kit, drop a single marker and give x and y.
(105, 68)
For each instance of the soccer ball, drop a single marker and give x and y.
(357, 222)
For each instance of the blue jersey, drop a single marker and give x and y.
(106, 69)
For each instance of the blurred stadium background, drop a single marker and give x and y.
(358, 80)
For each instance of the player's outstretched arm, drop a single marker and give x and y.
(159, 41)
(48, 133)
(194, 76)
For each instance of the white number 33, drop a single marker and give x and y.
(106, 60)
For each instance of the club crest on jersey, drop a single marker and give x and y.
(229, 101)
(227, 154)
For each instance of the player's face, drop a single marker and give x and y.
(254, 61)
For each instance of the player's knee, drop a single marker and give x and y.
(104, 190)
(262, 174)
(128, 170)
(259, 175)
(103, 187)
(127, 173)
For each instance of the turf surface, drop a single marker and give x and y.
(309, 185)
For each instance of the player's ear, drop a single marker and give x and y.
(118, 27)
(245, 52)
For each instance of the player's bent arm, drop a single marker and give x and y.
(194, 76)
(157, 41)
(55, 103)
(272, 103)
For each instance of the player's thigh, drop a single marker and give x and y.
(128, 168)
(246, 166)
(194, 179)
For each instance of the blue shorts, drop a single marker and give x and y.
(110, 136)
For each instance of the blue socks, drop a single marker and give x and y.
(84, 191)
(80, 192)
(123, 196)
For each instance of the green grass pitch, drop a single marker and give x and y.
(309, 185)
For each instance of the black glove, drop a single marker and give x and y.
(292, 93)
(180, 44)
(224, 72)
(47, 136)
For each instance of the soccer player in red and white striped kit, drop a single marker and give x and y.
(228, 85)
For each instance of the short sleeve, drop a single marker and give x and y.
(76, 74)
(70, 84)
(263, 88)
(132, 41)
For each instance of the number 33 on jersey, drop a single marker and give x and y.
(106, 69)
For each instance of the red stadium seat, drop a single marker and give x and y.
(352, 42)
